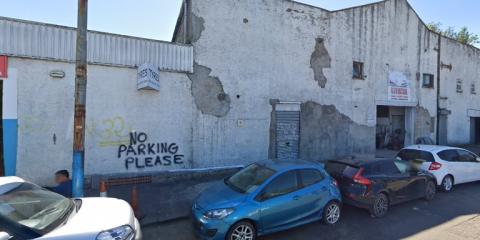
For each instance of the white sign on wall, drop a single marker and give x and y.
(148, 77)
(398, 87)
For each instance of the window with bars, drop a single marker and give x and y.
(358, 71)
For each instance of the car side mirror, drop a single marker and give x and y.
(5, 236)
(264, 196)
(260, 197)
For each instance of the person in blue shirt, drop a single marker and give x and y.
(64, 184)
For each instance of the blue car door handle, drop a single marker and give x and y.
(296, 197)
(324, 189)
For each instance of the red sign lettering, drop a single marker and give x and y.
(3, 66)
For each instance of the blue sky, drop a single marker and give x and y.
(156, 18)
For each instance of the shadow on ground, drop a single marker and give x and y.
(409, 220)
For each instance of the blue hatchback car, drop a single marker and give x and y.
(267, 197)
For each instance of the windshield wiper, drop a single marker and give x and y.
(63, 219)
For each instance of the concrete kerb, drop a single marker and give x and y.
(168, 196)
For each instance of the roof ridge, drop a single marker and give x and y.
(89, 30)
(383, 1)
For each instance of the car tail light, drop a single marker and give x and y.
(358, 178)
(435, 166)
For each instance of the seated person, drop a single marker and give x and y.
(64, 184)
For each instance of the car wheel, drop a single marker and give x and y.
(430, 191)
(447, 183)
(331, 213)
(380, 206)
(242, 231)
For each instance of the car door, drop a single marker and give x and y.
(394, 181)
(280, 202)
(476, 167)
(406, 184)
(313, 193)
(417, 184)
(469, 162)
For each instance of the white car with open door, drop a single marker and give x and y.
(450, 165)
(28, 211)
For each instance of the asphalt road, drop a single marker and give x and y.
(453, 215)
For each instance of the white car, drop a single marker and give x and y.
(450, 165)
(28, 211)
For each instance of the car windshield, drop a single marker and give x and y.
(34, 207)
(249, 178)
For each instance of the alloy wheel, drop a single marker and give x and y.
(242, 232)
(430, 191)
(380, 206)
(447, 183)
(333, 213)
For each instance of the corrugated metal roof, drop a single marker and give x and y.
(46, 41)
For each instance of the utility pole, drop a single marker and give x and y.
(80, 100)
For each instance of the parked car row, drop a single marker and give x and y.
(262, 198)
(271, 196)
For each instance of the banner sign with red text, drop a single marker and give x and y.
(398, 87)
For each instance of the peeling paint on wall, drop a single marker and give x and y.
(273, 133)
(319, 60)
(325, 134)
(424, 123)
(197, 27)
(210, 98)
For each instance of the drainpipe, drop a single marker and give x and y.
(439, 66)
(188, 21)
(185, 21)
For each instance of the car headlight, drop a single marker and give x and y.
(119, 233)
(218, 213)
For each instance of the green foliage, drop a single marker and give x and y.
(467, 37)
(435, 26)
(463, 35)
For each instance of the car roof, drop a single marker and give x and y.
(7, 183)
(7, 180)
(282, 165)
(430, 148)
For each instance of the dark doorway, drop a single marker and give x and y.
(475, 128)
(391, 127)
(2, 171)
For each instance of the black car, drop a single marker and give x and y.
(375, 185)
